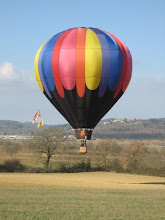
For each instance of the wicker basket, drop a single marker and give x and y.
(83, 149)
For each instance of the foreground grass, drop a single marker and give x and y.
(89, 196)
(77, 204)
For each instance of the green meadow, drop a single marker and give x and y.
(81, 204)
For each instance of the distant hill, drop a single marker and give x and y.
(107, 128)
(131, 128)
(8, 127)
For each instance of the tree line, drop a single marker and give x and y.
(60, 155)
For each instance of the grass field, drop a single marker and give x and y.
(77, 196)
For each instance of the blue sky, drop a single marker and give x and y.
(25, 25)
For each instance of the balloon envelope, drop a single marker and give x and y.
(83, 72)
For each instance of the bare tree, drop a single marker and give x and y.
(132, 156)
(46, 141)
(11, 147)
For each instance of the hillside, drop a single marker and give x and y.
(109, 128)
(8, 127)
(131, 128)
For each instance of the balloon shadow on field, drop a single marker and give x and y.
(153, 183)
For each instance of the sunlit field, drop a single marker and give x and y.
(99, 195)
(89, 180)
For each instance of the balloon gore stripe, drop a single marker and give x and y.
(80, 61)
(83, 58)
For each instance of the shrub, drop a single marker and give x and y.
(78, 167)
(12, 166)
(61, 168)
(2, 168)
(31, 169)
(115, 166)
(82, 166)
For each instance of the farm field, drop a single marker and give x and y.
(98, 195)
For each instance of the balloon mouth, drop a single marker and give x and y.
(83, 133)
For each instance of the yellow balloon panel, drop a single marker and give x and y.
(93, 60)
(37, 75)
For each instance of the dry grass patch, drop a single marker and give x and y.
(96, 180)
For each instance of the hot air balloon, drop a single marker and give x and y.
(83, 72)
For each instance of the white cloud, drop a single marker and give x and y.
(149, 83)
(15, 78)
(144, 98)
(8, 72)
(157, 79)
(136, 61)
